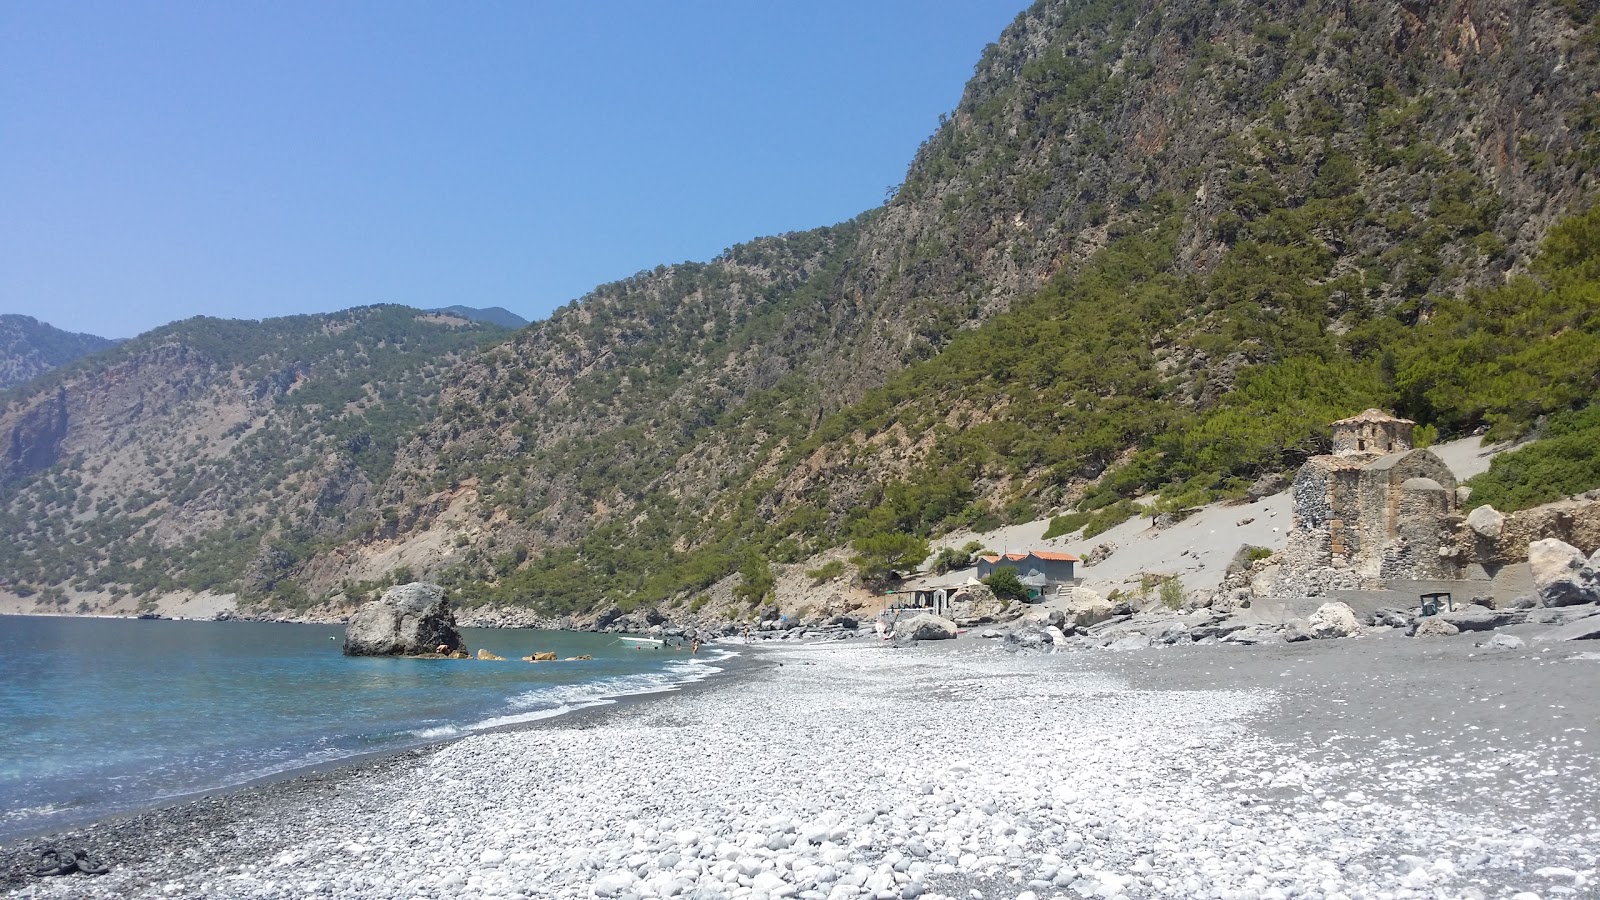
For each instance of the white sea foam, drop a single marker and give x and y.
(441, 731)
(555, 700)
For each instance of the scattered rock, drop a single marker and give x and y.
(408, 620)
(925, 627)
(1098, 553)
(1086, 609)
(1130, 642)
(1434, 626)
(1390, 618)
(1486, 522)
(976, 603)
(1561, 574)
(1333, 620)
(1503, 642)
(1476, 618)
(1266, 486)
(1585, 629)
(486, 655)
(1296, 631)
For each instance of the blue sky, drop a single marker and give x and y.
(164, 160)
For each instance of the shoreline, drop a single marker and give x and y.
(1359, 768)
(16, 858)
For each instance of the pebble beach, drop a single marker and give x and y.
(1375, 767)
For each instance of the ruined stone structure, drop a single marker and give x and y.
(1375, 508)
(1371, 432)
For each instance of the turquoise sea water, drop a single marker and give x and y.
(99, 716)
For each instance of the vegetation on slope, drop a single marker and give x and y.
(318, 406)
(29, 348)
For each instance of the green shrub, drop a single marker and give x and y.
(1172, 593)
(1110, 517)
(1007, 585)
(758, 580)
(828, 571)
(1066, 524)
(1563, 462)
(879, 554)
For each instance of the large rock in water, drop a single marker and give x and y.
(408, 620)
(925, 627)
(1561, 574)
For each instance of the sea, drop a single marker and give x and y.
(101, 716)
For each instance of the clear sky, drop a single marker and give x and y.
(164, 160)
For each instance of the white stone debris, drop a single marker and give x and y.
(856, 772)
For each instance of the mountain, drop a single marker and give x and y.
(29, 347)
(1154, 250)
(494, 315)
(215, 452)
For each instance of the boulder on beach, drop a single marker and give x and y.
(925, 627)
(976, 604)
(1562, 576)
(1504, 642)
(408, 620)
(1433, 626)
(1333, 620)
(1584, 629)
(1086, 608)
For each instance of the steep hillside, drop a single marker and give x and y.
(212, 452)
(1155, 248)
(1233, 201)
(29, 347)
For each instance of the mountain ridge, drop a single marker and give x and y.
(1155, 248)
(29, 348)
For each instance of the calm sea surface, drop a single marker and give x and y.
(99, 716)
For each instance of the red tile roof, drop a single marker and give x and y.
(1041, 554)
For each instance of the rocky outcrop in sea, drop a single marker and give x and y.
(408, 620)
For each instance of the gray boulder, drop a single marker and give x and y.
(1585, 629)
(1296, 631)
(1433, 626)
(1267, 485)
(1391, 618)
(1561, 574)
(1029, 637)
(1503, 642)
(408, 620)
(1486, 522)
(1333, 620)
(925, 627)
(1477, 618)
